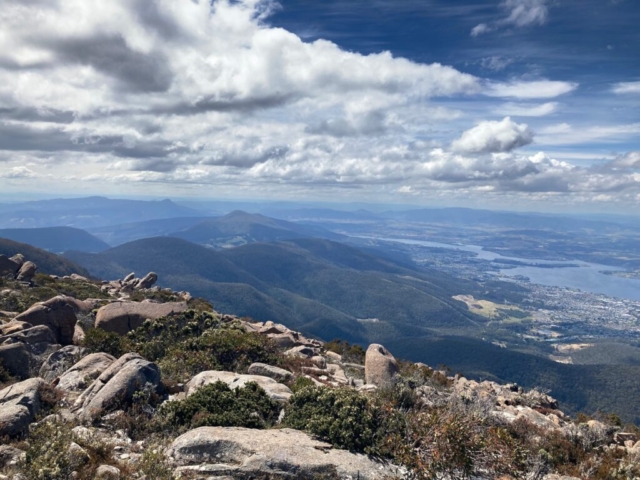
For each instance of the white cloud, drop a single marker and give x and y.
(174, 95)
(18, 172)
(517, 13)
(626, 88)
(496, 63)
(530, 90)
(527, 109)
(480, 29)
(566, 134)
(523, 13)
(630, 160)
(493, 137)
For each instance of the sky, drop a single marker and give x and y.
(528, 104)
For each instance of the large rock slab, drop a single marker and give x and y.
(16, 359)
(380, 367)
(122, 317)
(276, 391)
(286, 453)
(19, 404)
(31, 336)
(78, 377)
(116, 385)
(264, 370)
(55, 313)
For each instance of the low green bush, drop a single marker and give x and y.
(218, 405)
(47, 452)
(341, 416)
(97, 340)
(194, 341)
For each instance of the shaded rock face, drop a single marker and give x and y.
(14, 420)
(242, 453)
(39, 339)
(8, 266)
(55, 313)
(122, 317)
(77, 377)
(380, 367)
(276, 391)
(16, 359)
(116, 385)
(19, 404)
(60, 361)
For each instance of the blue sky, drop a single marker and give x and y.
(522, 103)
(594, 43)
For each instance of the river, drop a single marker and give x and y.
(586, 277)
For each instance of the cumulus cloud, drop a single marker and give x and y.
(624, 88)
(630, 160)
(173, 94)
(494, 137)
(517, 13)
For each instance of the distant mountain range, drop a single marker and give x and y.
(87, 212)
(47, 262)
(56, 239)
(325, 288)
(118, 234)
(238, 228)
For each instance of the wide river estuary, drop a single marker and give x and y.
(586, 276)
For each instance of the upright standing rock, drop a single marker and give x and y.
(27, 272)
(148, 281)
(379, 367)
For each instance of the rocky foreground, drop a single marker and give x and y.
(124, 379)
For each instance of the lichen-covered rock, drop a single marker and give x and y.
(286, 453)
(117, 385)
(10, 456)
(107, 472)
(122, 317)
(276, 391)
(380, 367)
(55, 313)
(77, 377)
(60, 361)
